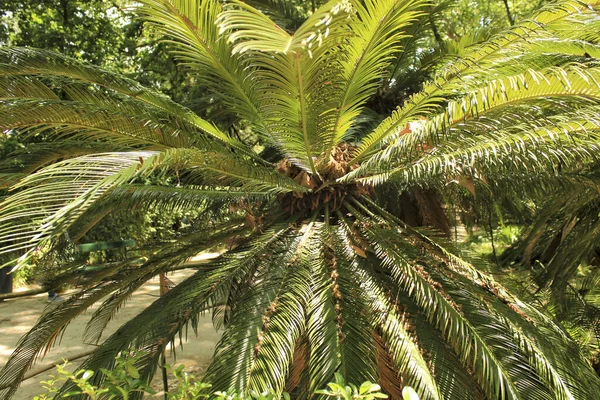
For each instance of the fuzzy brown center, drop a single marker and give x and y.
(324, 190)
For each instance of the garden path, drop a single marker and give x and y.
(18, 315)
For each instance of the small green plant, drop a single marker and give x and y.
(253, 395)
(80, 378)
(50, 384)
(188, 387)
(120, 382)
(340, 390)
(124, 380)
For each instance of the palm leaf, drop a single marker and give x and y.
(377, 28)
(23, 62)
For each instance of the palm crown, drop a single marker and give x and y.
(325, 278)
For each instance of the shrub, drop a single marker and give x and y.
(124, 380)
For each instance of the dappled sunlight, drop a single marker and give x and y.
(17, 316)
(5, 351)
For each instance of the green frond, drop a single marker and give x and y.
(536, 151)
(36, 155)
(474, 64)
(159, 324)
(377, 28)
(558, 370)
(198, 44)
(513, 319)
(168, 256)
(570, 220)
(178, 198)
(27, 62)
(323, 325)
(471, 70)
(287, 106)
(84, 121)
(45, 333)
(412, 62)
(17, 86)
(453, 381)
(252, 30)
(257, 30)
(233, 365)
(496, 106)
(492, 375)
(52, 198)
(283, 322)
(358, 352)
(542, 149)
(220, 169)
(419, 105)
(582, 24)
(406, 352)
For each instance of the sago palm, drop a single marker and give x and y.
(563, 233)
(321, 276)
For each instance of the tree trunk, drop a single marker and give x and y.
(511, 19)
(5, 281)
(436, 33)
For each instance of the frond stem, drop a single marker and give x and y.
(303, 114)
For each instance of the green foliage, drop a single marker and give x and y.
(120, 382)
(88, 30)
(341, 390)
(483, 243)
(188, 387)
(123, 381)
(468, 16)
(331, 210)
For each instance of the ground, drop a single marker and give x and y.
(17, 316)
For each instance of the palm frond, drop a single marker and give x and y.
(27, 62)
(478, 112)
(471, 70)
(377, 29)
(359, 358)
(34, 156)
(77, 121)
(168, 256)
(52, 198)
(199, 45)
(400, 339)
(168, 316)
(283, 322)
(47, 331)
(489, 355)
(170, 198)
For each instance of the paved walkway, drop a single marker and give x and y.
(17, 316)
